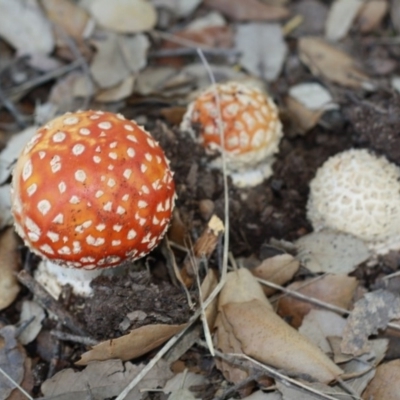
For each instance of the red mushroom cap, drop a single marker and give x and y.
(91, 190)
(250, 122)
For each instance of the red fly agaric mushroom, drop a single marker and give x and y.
(92, 190)
(250, 124)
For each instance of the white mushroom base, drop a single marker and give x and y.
(53, 277)
(251, 177)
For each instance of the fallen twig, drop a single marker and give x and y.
(46, 301)
(68, 337)
(18, 91)
(315, 301)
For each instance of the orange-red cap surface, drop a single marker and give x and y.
(251, 126)
(92, 189)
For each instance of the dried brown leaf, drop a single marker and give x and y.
(35, 314)
(301, 117)
(386, 383)
(249, 10)
(262, 48)
(340, 18)
(127, 16)
(12, 361)
(73, 20)
(331, 252)
(103, 380)
(372, 14)
(25, 27)
(331, 63)
(247, 317)
(213, 36)
(119, 92)
(134, 344)
(108, 66)
(9, 266)
(319, 324)
(371, 313)
(27, 382)
(266, 337)
(134, 49)
(334, 289)
(279, 269)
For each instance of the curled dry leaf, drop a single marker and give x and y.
(331, 63)
(386, 382)
(319, 324)
(118, 92)
(372, 14)
(12, 150)
(108, 66)
(133, 345)
(126, 16)
(34, 314)
(302, 118)
(101, 380)
(340, 18)
(134, 49)
(183, 380)
(25, 27)
(278, 269)
(334, 289)
(249, 10)
(72, 19)
(12, 360)
(331, 252)
(247, 319)
(371, 313)
(9, 266)
(181, 8)
(265, 56)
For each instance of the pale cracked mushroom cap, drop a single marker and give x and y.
(92, 190)
(358, 193)
(251, 127)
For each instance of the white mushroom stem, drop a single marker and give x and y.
(251, 177)
(53, 277)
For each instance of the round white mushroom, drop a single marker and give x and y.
(357, 192)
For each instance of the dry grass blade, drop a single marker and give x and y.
(21, 389)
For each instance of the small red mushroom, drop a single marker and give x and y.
(250, 124)
(92, 190)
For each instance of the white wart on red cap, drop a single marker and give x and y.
(358, 193)
(92, 189)
(251, 126)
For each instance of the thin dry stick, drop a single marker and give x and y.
(86, 341)
(169, 255)
(221, 283)
(188, 51)
(17, 386)
(26, 86)
(84, 65)
(315, 301)
(45, 299)
(9, 105)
